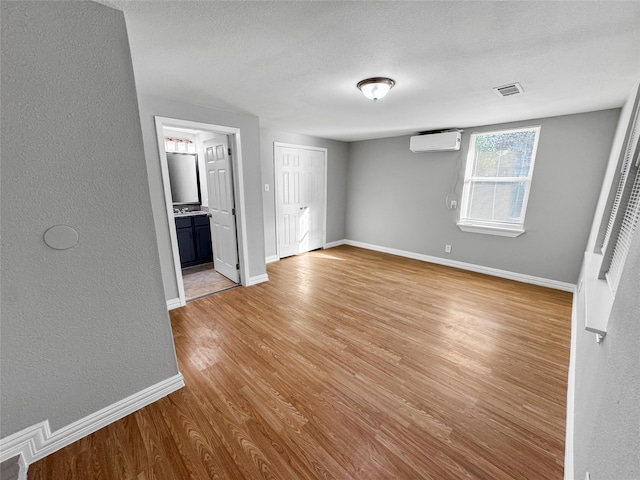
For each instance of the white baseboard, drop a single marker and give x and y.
(38, 441)
(520, 277)
(173, 303)
(571, 390)
(272, 258)
(24, 467)
(257, 279)
(337, 243)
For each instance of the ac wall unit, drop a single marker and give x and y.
(436, 142)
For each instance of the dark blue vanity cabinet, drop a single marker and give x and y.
(194, 240)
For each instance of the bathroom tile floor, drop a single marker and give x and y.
(203, 280)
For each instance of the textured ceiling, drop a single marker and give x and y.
(296, 64)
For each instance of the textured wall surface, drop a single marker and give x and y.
(396, 198)
(10, 469)
(606, 408)
(151, 106)
(337, 160)
(607, 395)
(86, 327)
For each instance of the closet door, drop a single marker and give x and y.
(300, 198)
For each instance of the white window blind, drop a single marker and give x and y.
(623, 184)
(627, 228)
(625, 211)
(618, 215)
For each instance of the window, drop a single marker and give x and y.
(617, 218)
(497, 181)
(625, 211)
(179, 145)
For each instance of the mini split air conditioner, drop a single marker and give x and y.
(436, 142)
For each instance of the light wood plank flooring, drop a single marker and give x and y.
(203, 280)
(351, 364)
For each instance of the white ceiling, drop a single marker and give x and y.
(296, 64)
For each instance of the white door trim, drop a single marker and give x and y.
(275, 188)
(238, 191)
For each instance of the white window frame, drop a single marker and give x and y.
(619, 202)
(620, 226)
(486, 226)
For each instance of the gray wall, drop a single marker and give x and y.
(151, 106)
(396, 198)
(606, 407)
(86, 327)
(607, 389)
(337, 160)
(10, 469)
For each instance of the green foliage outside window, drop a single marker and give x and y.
(504, 154)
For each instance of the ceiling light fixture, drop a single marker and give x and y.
(376, 87)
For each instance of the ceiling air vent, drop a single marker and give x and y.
(508, 90)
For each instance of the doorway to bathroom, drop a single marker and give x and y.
(207, 246)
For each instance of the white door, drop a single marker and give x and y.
(221, 207)
(300, 174)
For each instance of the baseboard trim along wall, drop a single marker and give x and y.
(173, 303)
(571, 389)
(276, 258)
(520, 277)
(24, 467)
(257, 279)
(337, 243)
(38, 441)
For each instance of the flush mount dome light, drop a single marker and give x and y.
(376, 87)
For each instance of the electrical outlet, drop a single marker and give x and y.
(454, 204)
(447, 249)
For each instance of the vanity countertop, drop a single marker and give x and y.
(190, 213)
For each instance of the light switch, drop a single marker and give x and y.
(266, 187)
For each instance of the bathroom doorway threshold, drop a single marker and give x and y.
(203, 280)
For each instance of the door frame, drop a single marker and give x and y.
(235, 144)
(324, 150)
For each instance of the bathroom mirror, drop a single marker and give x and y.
(184, 178)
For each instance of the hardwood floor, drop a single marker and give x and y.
(203, 280)
(351, 364)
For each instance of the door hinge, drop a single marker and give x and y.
(237, 266)
(233, 212)
(229, 151)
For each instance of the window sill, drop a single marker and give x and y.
(594, 296)
(490, 229)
